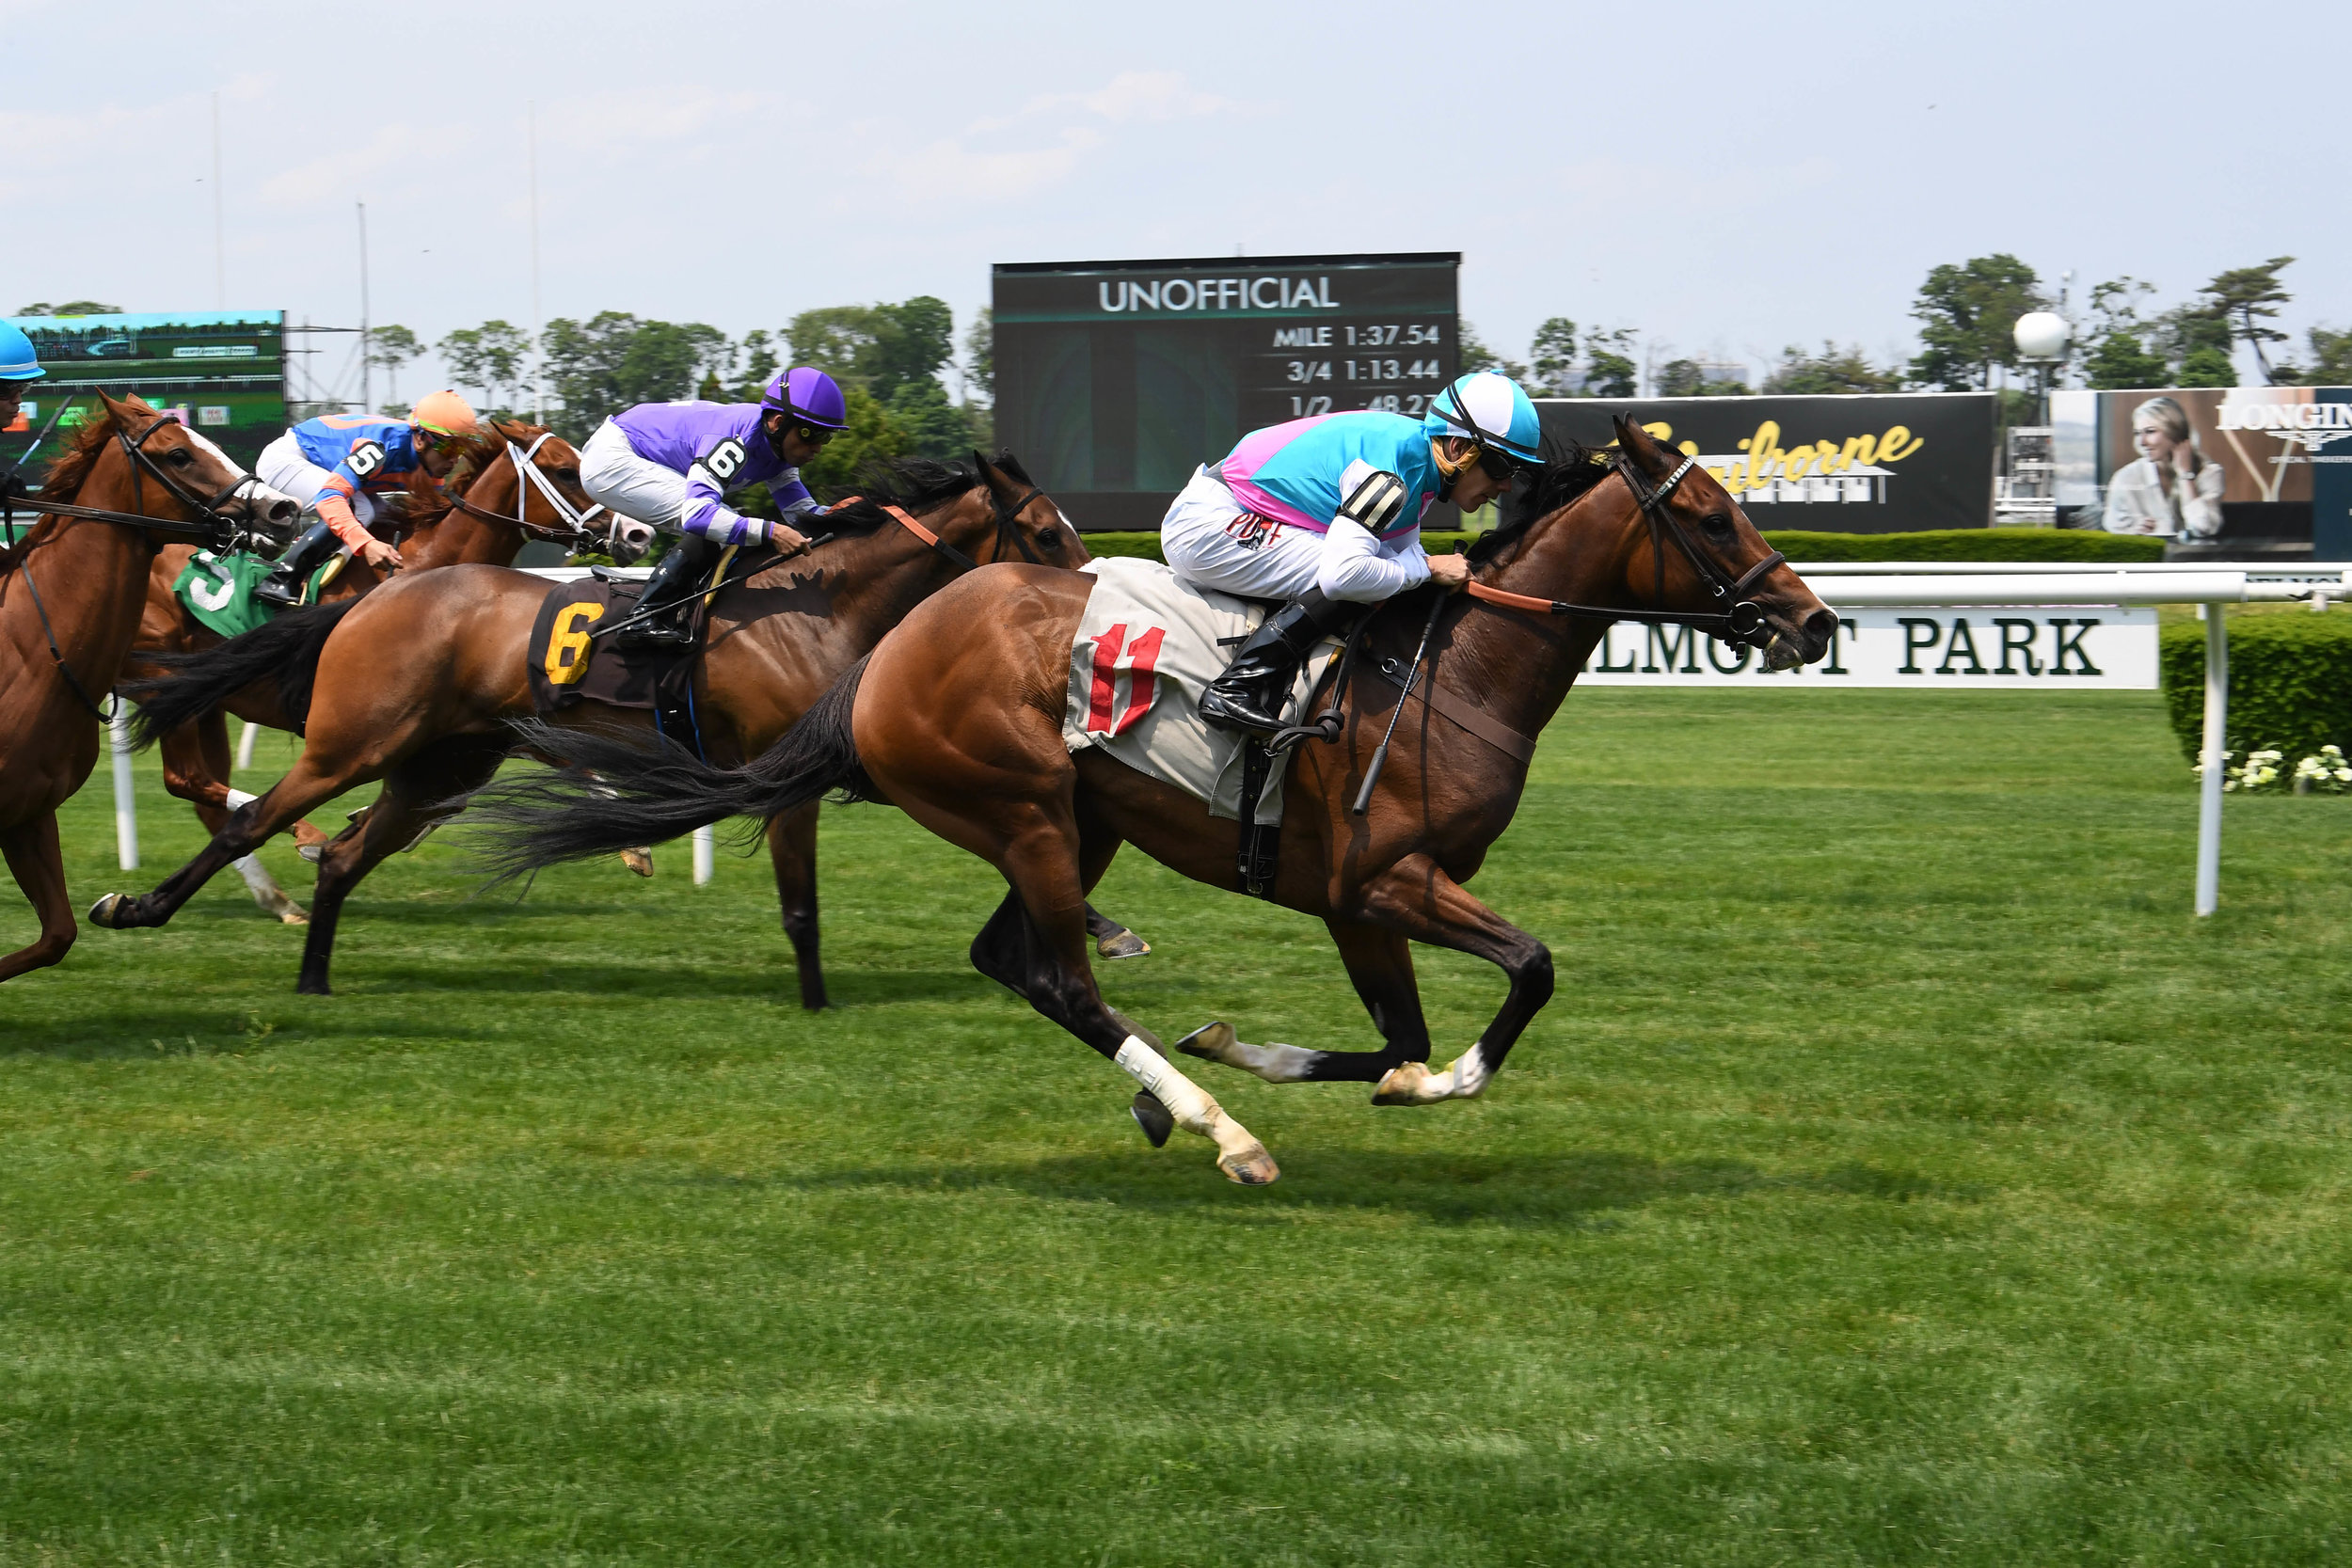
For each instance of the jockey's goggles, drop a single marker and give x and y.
(815, 434)
(434, 436)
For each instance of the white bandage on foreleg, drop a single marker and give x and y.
(1192, 1107)
(256, 875)
(238, 797)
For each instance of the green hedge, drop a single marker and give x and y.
(1968, 543)
(2290, 683)
(1945, 544)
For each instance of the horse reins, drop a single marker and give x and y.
(1742, 621)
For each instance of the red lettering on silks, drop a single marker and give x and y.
(1142, 684)
(1106, 649)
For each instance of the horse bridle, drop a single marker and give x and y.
(1008, 527)
(1741, 615)
(574, 527)
(1741, 620)
(211, 525)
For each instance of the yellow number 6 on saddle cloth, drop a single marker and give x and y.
(567, 643)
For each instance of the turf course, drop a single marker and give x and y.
(1900, 1175)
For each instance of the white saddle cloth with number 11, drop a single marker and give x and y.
(1147, 646)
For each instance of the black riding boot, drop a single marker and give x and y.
(283, 586)
(668, 596)
(1255, 688)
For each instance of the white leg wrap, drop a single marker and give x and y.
(255, 877)
(239, 798)
(1239, 1155)
(1465, 1078)
(1192, 1107)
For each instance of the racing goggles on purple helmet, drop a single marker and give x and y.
(811, 398)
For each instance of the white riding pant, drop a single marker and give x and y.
(1276, 560)
(612, 473)
(283, 467)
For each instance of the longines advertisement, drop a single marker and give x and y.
(2208, 465)
(1874, 463)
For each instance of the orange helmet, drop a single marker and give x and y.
(443, 414)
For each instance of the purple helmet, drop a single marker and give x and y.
(810, 396)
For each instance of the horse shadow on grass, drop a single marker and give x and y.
(1569, 1190)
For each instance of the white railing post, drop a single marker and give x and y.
(706, 843)
(126, 805)
(2216, 741)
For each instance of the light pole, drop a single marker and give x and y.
(2042, 338)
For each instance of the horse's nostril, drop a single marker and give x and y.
(1821, 627)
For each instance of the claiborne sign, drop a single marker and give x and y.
(2072, 648)
(1870, 464)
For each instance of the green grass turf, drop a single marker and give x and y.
(1900, 1175)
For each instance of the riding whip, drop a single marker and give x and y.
(1412, 676)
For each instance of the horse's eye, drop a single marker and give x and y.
(181, 455)
(1049, 539)
(1717, 527)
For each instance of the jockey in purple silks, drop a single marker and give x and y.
(672, 465)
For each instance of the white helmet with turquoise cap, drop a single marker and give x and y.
(1493, 414)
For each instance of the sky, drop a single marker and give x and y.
(1727, 178)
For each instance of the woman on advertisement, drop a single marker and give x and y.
(2173, 490)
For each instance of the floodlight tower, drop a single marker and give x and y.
(2042, 338)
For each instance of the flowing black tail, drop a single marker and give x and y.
(195, 684)
(612, 793)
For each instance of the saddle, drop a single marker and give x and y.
(573, 658)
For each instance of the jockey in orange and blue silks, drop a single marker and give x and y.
(1323, 514)
(338, 464)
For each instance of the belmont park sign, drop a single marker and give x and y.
(1973, 649)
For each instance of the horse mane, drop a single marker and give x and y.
(1570, 469)
(63, 482)
(910, 483)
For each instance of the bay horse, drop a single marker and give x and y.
(419, 683)
(71, 596)
(956, 719)
(485, 511)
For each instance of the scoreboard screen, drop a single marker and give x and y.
(223, 371)
(1115, 380)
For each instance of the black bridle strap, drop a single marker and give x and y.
(1009, 526)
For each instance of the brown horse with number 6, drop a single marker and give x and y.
(957, 718)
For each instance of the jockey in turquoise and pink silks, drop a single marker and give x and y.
(673, 464)
(1324, 515)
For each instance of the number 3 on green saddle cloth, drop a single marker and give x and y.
(218, 588)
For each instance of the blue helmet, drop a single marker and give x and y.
(1491, 410)
(17, 360)
(810, 396)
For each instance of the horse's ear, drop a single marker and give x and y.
(121, 410)
(1635, 441)
(987, 470)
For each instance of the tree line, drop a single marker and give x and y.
(887, 358)
(1967, 312)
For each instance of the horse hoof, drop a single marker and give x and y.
(1409, 1084)
(1210, 1042)
(1251, 1166)
(1122, 943)
(639, 860)
(109, 912)
(292, 915)
(1152, 1117)
(308, 987)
